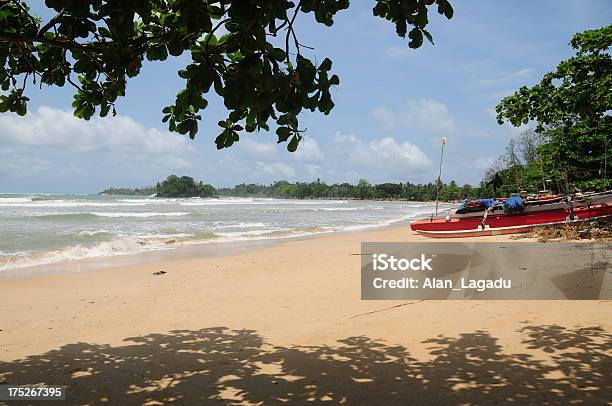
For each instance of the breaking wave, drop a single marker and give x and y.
(42, 229)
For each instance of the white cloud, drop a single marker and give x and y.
(504, 78)
(400, 52)
(314, 171)
(385, 154)
(388, 151)
(263, 150)
(279, 170)
(50, 148)
(488, 74)
(15, 164)
(46, 127)
(345, 157)
(309, 151)
(50, 127)
(340, 138)
(385, 116)
(50, 144)
(483, 163)
(509, 129)
(425, 114)
(490, 112)
(429, 115)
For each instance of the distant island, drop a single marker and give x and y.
(123, 191)
(172, 186)
(185, 186)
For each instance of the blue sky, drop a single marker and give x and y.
(393, 106)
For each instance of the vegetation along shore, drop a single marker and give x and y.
(185, 186)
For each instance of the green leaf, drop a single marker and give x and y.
(282, 120)
(293, 144)
(326, 64)
(445, 8)
(416, 37)
(278, 54)
(104, 110)
(283, 134)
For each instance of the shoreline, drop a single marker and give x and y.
(73, 235)
(182, 251)
(254, 327)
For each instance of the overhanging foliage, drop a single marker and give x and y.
(256, 65)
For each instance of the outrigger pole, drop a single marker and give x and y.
(440, 173)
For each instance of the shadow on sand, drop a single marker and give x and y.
(223, 366)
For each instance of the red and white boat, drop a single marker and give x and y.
(497, 221)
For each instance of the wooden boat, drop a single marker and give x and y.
(516, 214)
(501, 223)
(543, 203)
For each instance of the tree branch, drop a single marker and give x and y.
(24, 11)
(290, 31)
(72, 83)
(70, 45)
(65, 45)
(51, 23)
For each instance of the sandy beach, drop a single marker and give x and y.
(285, 323)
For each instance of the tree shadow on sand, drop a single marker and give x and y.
(223, 366)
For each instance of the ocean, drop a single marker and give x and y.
(40, 229)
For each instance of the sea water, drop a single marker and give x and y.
(43, 229)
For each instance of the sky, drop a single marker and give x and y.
(393, 106)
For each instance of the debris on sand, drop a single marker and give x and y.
(593, 230)
(159, 273)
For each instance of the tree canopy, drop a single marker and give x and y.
(246, 51)
(183, 186)
(571, 107)
(361, 191)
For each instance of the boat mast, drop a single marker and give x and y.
(440, 173)
(605, 183)
(542, 172)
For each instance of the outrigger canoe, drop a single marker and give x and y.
(498, 223)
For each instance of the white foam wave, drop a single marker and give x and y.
(242, 225)
(206, 226)
(103, 249)
(382, 223)
(142, 201)
(154, 238)
(218, 202)
(66, 203)
(257, 201)
(346, 208)
(251, 233)
(93, 233)
(313, 202)
(141, 214)
(119, 246)
(5, 201)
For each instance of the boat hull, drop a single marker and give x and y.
(507, 224)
